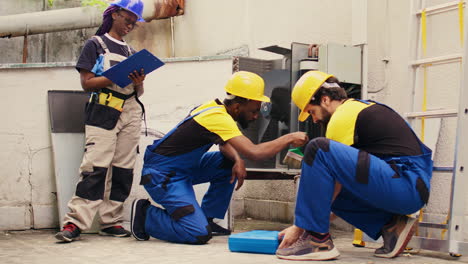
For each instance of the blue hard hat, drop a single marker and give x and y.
(134, 6)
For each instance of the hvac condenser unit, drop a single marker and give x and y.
(280, 116)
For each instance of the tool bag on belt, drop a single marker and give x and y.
(104, 108)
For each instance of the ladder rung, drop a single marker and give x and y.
(436, 9)
(441, 59)
(433, 113)
(433, 225)
(442, 169)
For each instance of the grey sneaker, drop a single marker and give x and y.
(308, 247)
(396, 236)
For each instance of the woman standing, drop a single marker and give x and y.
(113, 125)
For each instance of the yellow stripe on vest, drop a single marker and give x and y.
(343, 122)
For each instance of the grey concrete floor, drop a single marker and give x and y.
(40, 246)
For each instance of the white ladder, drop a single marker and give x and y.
(454, 242)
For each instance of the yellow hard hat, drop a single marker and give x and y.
(305, 88)
(247, 85)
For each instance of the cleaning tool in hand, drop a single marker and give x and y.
(255, 241)
(293, 158)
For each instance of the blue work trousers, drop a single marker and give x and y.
(373, 189)
(182, 220)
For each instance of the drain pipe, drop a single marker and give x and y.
(78, 18)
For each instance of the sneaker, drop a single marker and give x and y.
(69, 233)
(396, 236)
(307, 247)
(217, 230)
(116, 231)
(138, 218)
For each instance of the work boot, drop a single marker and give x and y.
(396, 236)
(308, 247)
(138, 219)
(69, 233)
(217, 230)
(116, 231)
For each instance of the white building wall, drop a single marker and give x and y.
(211, 26)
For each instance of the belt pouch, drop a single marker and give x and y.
(100, 115)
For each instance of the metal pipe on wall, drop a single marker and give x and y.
(78, 18)
(49, 21)
(44, 39)
(172, 38)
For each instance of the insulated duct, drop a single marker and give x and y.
(78, 18)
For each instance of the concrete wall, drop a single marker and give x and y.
(27, 190)
(212, 27)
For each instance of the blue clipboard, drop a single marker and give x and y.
(140, 60)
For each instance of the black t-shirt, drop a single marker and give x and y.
(214, 126)
(382, 132)
(373, 127)
(92, 49)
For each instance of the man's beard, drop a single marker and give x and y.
(326, 117)
(242, 121)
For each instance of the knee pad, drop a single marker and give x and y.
(423, 190)
(362, 167)
(91, 187)
(121, 184)
(204, 239)
(182, 211)
(313, 146)
(187, 210)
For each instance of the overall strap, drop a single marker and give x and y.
(143, 111)
(117, 94)
(194, 115)
(365, 101)
(129, 50)
(103, 45)
(185, 120)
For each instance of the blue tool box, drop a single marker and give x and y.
(255, 241)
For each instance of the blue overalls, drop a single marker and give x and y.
(373, 189)
(170, 180)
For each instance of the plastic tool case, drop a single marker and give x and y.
(255, 241)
